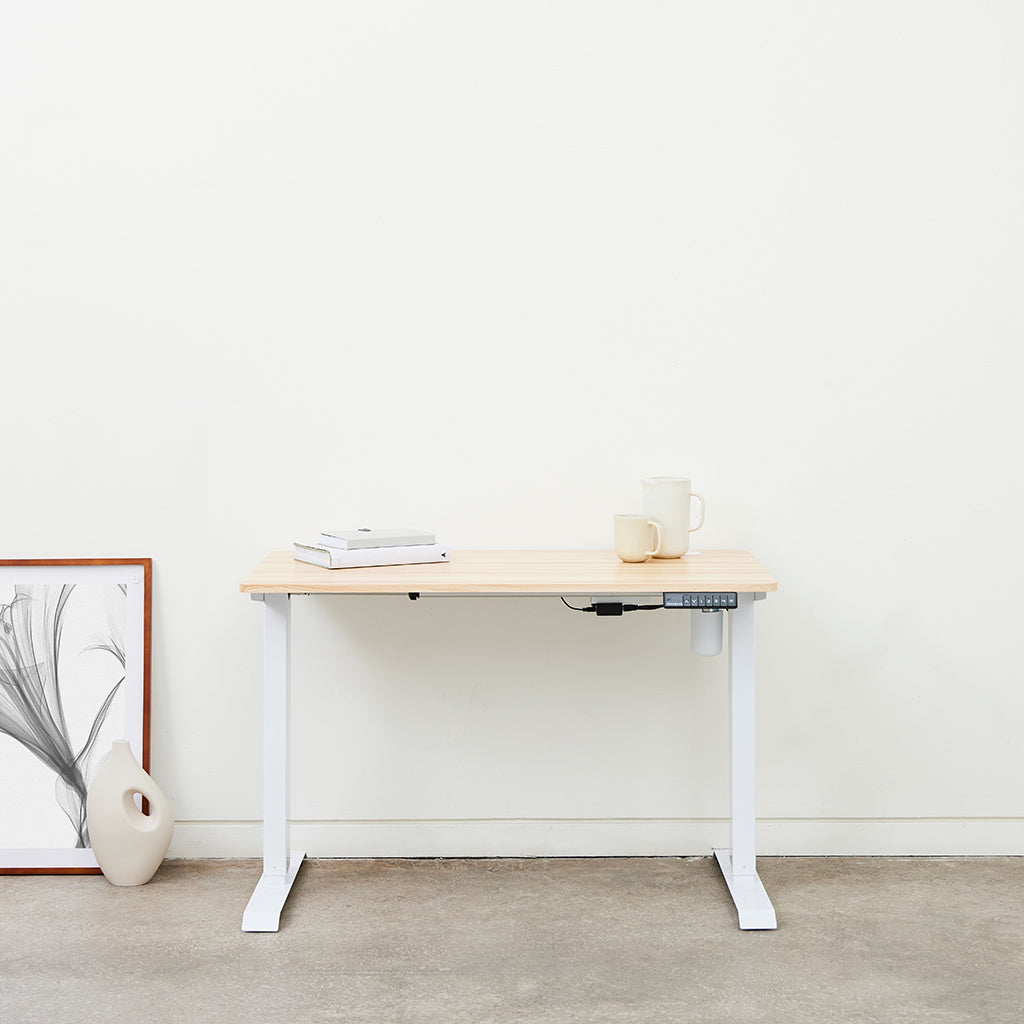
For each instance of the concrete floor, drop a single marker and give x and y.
(650, 940)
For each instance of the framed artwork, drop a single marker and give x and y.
(74, 677)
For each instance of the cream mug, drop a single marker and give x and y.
(633, 537)
(667, 499)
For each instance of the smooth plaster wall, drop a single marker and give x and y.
(479, 268)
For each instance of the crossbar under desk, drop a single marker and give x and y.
(738, 863)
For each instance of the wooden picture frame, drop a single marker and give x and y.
(74, 676)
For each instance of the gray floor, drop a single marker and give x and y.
(647, 940)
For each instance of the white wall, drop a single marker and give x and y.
(479, 268)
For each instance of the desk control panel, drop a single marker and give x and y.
(706, 602)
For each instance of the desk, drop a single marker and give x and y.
(570, 574)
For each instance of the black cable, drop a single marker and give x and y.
(608, 608)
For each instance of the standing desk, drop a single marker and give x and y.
(696, 579)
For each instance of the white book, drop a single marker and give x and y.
(342, 558)
(367, 538)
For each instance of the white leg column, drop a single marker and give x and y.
(263, 913)
(738, 864)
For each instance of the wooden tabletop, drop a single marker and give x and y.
(518, 572)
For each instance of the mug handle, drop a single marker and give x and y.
(657, 543)
(703, 509)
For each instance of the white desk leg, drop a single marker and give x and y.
(263, 913)
(739, 863)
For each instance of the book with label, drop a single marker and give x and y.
(368, 538)
(343, 558)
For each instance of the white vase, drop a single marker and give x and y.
(129, 846)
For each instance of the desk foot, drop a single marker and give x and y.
(263, 912)
(752, 903)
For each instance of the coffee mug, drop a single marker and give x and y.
(633, 537)
(667, 499)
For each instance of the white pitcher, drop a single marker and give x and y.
(667, 499)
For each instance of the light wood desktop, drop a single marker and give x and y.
(570, 574)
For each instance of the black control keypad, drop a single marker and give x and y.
(710, 601)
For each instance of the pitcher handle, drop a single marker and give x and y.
(703, 508)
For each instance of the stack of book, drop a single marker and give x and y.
(347, 549)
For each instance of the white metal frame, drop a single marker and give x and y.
(739, 862)
(281, 865)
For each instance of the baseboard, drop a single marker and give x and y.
(611, 837)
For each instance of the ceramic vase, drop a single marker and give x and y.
(129, 846)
